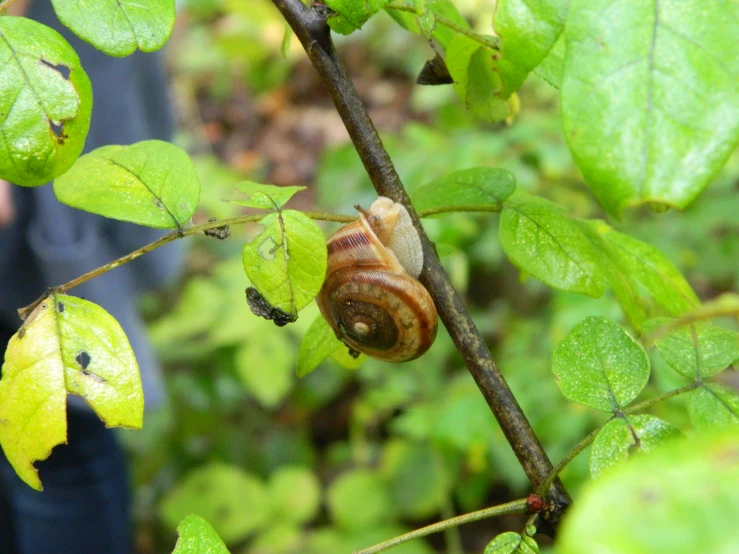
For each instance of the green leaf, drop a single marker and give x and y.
(279, 538)
(466, 190)
(616, 273)
(713, 406)
(551, 68)
(287, 261)
(264, 197)
(623, 436)
(319, 343)
(540, 239)
(528, 31)
(44, 116)
(477, 80)
(428, 20)
(265, 366)
(346, 360)
(295, 493)
(650, 100)
(151, 183)
(233, 501)
(511, 543)
(417, 479)
(351, 15)
(682, 499)
(358, 499)
(66, 345)
(698, 351)
(725, 305)
(119, 28)
(600, 365)
(654, 271)
(198, 537)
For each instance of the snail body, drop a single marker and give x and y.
(371, 297)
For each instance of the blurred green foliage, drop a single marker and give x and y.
(343, 459)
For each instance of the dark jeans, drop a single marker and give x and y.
(84, 507)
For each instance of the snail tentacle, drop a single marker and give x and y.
(373, 304)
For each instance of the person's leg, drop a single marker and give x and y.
(7, 534)
(6, 529)
(84, 507)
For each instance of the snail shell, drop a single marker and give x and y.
(371, 297)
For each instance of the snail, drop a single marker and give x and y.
(371, 297)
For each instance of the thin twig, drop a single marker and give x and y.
(309, 25)
(166, 239)
(586, 441)
(488, 42)
(189, 231)
(515, 507)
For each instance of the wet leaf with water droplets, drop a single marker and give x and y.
(600, 365)
(623, 436)
(45, 103)
(197, 536)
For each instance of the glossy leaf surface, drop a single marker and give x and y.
(600, 365)
(264, 197)
(287, 261)
(698, 351)
(350, 15)
(467, 189)
(540, 239)
(511, 543)
(476, 79)
(119, 27)
(650, 100)
(654, 271)
(45, 103)
(151, 183)
(197, 536)
(713, 406)
(67, 345)
(622, 437)
(528, 30)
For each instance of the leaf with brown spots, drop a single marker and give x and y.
(77, 348)
(45, 103)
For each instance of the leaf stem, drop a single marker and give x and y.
(515, 507)
(311, 28)
(644, 404)
(459, 209)
(724, 306)
(197, 229)
(487, 42)
(585, 442)
(166, 239)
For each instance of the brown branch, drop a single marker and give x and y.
(309, 25)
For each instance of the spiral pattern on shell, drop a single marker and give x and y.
(370, 301)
